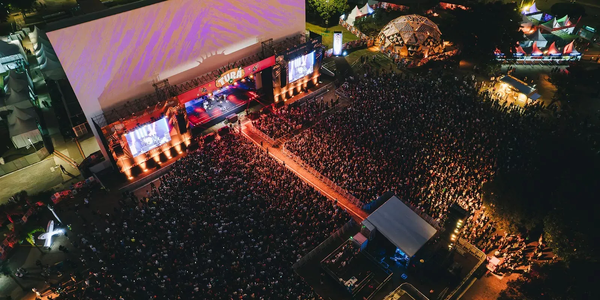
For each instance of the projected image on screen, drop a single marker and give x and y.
(301, 66)
(148, 137)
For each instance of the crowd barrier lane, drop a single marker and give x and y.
(328, 182)
(261, 134)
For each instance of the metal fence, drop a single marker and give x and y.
(332, 239)
(324, 179)
(25, 161)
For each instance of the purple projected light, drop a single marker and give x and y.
(148, 137)
(118, 57)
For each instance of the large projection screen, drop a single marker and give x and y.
(117, 58)
(301, 66)
(148, 137)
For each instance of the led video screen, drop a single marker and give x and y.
(117, 58)
(148, 137)
(301, 66)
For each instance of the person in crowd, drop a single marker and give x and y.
(227, 222)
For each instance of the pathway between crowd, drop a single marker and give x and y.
(356, 212)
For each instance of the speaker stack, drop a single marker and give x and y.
(182, 123)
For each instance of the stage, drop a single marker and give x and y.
(221, 103)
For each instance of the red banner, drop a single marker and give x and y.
(212, 86)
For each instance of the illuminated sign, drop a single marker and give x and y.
(50, 232)
(229, 77)
(212, 85)
(337, 43)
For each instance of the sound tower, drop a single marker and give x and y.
(267, 84)
(182, 123)
(283, 76)
(118, 150)
(455, 220)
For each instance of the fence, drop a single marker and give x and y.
(468, 247)
(261, 134)
(324, 179)
(334, 238)
(17, 164)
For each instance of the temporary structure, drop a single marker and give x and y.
(400, 225)
(552, 49)
(535, 50)
(22, 123)
(355, 13)
(366, 10)
(539, 38)
(530, 10)
(409, 30)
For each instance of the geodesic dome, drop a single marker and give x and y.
(410, 30)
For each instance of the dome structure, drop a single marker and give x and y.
(413, 32)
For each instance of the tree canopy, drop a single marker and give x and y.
(574, 281)
(327, 9)
(21, 4)
(556, 192)
(577, 84)
(573, 10)
(483, 28)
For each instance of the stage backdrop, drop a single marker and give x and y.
(117, 58)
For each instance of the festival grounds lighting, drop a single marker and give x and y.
(50, 232)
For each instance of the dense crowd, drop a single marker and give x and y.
(227, 222)
(282, 121)
(433, 140)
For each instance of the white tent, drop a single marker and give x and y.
(366, 10)
(23, 128)
(22, 124)
(36, 35)
(52, 70)
(14, 96)
(401, 226)
(539, 38)
(19, 81)
(536, 16)
(353, 15)
(44, 49)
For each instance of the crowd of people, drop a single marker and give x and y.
(432, 139)
(227, 222)
(282, 121)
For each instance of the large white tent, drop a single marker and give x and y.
(22, 119)
(46, 57)
(366, 10)
(353, 15)
(539, 38)
(401, 226)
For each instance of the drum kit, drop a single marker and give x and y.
(210, 101)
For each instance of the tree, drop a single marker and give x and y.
(513, 201)
(328, 8)
(482, 29)
(559, 280)
(7, 271)
(4, 13)
(577, 84)
(23, 5)
(573, 10)
(555, 191)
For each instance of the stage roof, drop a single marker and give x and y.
(518, 84)
(117, 58)
(401, 226)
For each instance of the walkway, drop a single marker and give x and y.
(357, 213)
